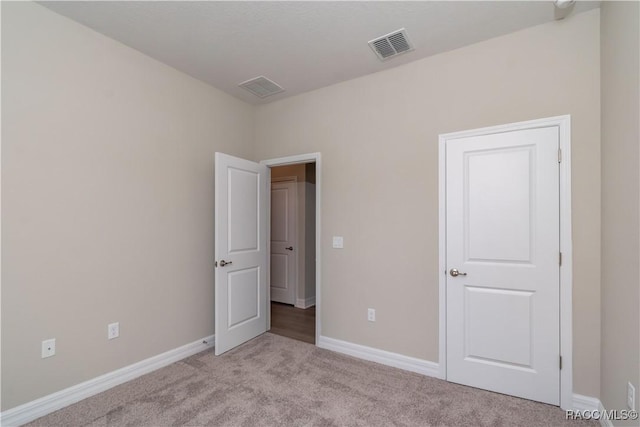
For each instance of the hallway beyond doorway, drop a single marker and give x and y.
(292, 322)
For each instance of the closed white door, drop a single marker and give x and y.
(241, 191)
(502, 255)
(283, 242)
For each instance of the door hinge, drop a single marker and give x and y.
(560, 260)
(559, 155)
(560, 362)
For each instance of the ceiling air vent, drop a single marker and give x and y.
(261, 87)
(391, 45)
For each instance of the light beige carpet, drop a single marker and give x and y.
(276, 381)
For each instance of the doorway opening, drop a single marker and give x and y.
(293, 251)
(242, 247)
(315, 271)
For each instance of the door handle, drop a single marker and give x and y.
(223, 263)
(290, 248)
(455, 273)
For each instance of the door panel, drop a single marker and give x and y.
(486, 338)
(241, 251)
(244, 296)
(279, 268)
(279, 207)
(502, 201)
(498, 195)
(244, 210)
(283, 241)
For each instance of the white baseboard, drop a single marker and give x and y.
(585, 403)
(591, 405)
(383, 357)
(604, 422)
(305, 303)
(45, 405)
(425, 367)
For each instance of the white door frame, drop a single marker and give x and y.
(292, 160)
(566, 350)
(293, 179)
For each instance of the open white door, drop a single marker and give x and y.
(241, 189)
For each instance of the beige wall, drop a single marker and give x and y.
(620, 201)
(107, 196)
(379, 141)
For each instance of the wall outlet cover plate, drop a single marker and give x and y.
(113, 330)
(48, 348)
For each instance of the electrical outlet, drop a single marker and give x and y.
(631, 396)
(48, 348)
(371, 315)
(338, 242)
(113, 330)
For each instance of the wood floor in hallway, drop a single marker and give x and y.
(292, 322)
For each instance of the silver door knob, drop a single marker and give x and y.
(455, 273)
(290, 248)
(223, 263)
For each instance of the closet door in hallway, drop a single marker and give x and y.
(283, 241)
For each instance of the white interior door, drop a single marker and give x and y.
(502, 236)
(283, 241)
(241, 191)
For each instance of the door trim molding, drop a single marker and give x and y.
(292, 160)
(566, 277)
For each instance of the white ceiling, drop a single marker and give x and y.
(300, 45)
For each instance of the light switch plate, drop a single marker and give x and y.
(338, 242)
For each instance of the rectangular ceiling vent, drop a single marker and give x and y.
(261, 87)
(393, 44)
